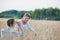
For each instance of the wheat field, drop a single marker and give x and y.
(46, 30)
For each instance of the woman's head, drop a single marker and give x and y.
(26, 17)
(11, 22)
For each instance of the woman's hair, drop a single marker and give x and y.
(10, 22)
(27, 14)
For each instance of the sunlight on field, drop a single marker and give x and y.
(46, 30)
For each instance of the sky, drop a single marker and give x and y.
(27, 4)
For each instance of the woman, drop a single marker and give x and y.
(9, 32)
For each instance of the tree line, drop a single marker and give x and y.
(37, 14)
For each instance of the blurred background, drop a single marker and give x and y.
(39, 9)
(45, 17)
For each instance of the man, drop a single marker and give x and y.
(23, 25)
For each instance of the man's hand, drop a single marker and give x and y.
(35, 34)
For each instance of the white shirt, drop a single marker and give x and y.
(25, 27)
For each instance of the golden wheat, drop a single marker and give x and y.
(46, 30)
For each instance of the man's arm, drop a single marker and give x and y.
(31, 29)
(19, 26)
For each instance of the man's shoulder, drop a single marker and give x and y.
(19, 20)
(28, 23)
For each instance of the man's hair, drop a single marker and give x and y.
(27, 14)
(10, 22)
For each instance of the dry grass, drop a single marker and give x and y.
(46, 30)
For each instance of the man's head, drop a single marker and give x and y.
(11, 22)
(26, 17)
